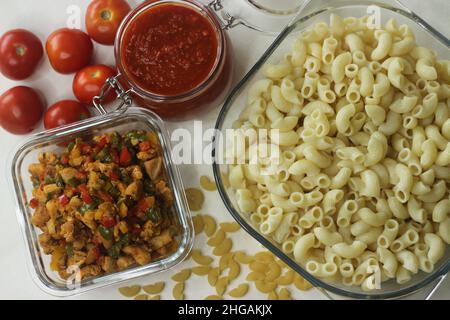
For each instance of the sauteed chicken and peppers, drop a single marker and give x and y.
(103, 205)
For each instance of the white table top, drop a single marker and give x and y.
(43, 17)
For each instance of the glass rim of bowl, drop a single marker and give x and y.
(440, 272)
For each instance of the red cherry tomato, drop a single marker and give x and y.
(89, 81)
(20, 53)
(65, 112)
(103, 18)
(21, 109)
(69, 50)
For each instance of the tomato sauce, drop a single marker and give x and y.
(169, 49)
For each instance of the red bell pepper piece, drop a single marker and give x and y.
(64, 200)
(80, 175)
(114, 176)
(102, 143)
(105, 196)
(89, 159)
(145, 146)
(108, 222)
(86, 149)
(115, 156)
(34, 203)
(125, 157)
(84, 194)
(64, 159)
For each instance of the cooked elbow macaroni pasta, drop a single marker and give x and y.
(361, 118)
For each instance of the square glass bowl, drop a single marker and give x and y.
(39, 263)
(235, 103)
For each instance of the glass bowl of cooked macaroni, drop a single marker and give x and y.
(339, 156)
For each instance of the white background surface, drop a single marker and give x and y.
(44, 16)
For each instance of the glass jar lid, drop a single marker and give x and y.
(268, 16)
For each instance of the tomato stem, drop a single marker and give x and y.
(20, 51)
(106, 15)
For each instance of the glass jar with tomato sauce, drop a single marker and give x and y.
(174, 57)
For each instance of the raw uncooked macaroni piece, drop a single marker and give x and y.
(207, 184)
(178, 291)
(210, 225)
(199, 224)
(195, 198)
(182, 276)
(199, 258)
(201, 270)
(155, 288)
(130, 291)
(240, 291)
(217, 239)
(359, 120)
(230, 227)
(223, 248)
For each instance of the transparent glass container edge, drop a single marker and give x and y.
(444, 269)
(17, 190)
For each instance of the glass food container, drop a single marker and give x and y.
(236, 101)
(126, 117)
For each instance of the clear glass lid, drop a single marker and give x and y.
(268, 16)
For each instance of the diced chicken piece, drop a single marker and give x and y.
(136, 173)
(68, 230)
(141, 256)
(90, 271)
(109, 264)
(78, 258)
(147, 231)
(52, 189)
(122, 188)
(36, 170)
(75, 203)
(40, 217)
(88, 219)
(134, 190)
(94, 182)
(76, 162)
(162, 240)
(79, 244)
(106, 167)
(144, 155)
(67, 174)
(39, 195)
(124, 262)
(47, 158)
(163, 190)
(52, 208)
(154, 168)
(51, 227)
(92, 255)
(47, 243)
